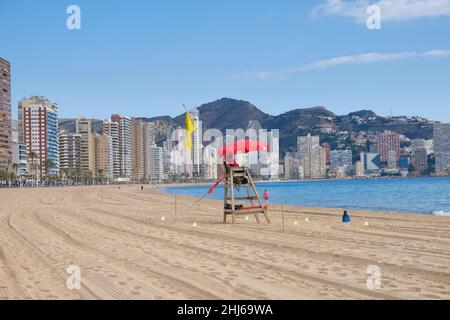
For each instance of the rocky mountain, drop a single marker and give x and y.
(229, 113)
(221, 114)
(299, 122)
(70, 125)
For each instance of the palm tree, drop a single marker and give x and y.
(12, 178)
(49, 164)
(87, 177)
(9, 175)
(34, 166)
(3, 175)
(78, 174)
(15, 167)
(65, 174)
(72, 176)
(98, 177)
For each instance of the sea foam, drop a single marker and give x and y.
(441, 213)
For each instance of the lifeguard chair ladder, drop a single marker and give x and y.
(241, 177)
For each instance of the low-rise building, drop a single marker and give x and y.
(20, 158)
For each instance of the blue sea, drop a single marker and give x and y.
(420, 195)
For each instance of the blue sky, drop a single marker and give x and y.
(147, 58)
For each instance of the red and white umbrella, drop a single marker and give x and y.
(243, 146)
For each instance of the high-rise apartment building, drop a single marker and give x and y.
(392, 159)
(103, 150)
(209, 166)
(15, 130)
(388, 141)
(420, 159)
(312, 157)
(169, 161)
(34, 100)
(269, 160)
(5, 116)
(359, 168)
(274, 152)
(441, 146)
(69, 153)
(38, 119)
(290, 167)
(422, 143)
(87, 151)
(157, 168)
(143, 139)
(20, 158)
(322, 167)
(123, 145)
(341, 158)
(137, 149)
(327, 148)
(149, 141)
(112, 130)
(197, 144)
(174, 153)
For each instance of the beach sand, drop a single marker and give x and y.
(133, 244)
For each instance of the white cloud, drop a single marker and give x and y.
(437, 53)
(355, 59)
(391, 10)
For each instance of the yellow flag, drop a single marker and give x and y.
(190, 128)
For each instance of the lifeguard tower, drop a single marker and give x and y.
(236, 178)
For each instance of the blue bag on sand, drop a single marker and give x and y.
(346, 217)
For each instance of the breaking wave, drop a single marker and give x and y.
(441, 213)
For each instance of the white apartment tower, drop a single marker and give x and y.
(149, 142)
(124, 145)
(157, 169)
(441, 145)
(197, 144)
(112, 130)
(210, 163)
(312, 157)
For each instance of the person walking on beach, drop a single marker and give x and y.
(266, 197)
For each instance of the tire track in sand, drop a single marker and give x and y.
(258, 265)
(193, 291)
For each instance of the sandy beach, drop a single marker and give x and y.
(133, 244)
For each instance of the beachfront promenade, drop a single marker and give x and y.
(133, 244)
